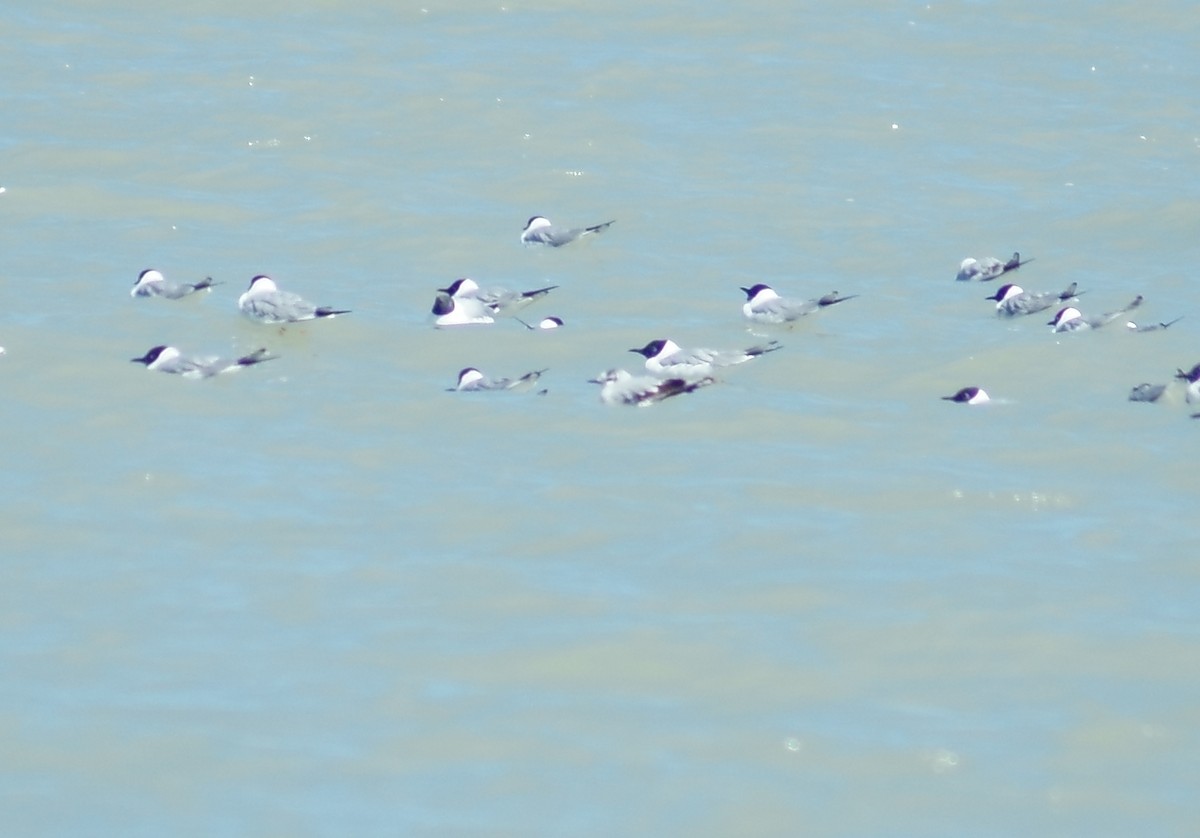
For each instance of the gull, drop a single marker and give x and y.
(545, 323)
(1192, 377)
(1151, 327)
(539, 230)
(666, 358)
(1071, 319)
(764, 305)
(460, 312)
(1147, 392)
(987, 269)
(969, 395)
(622, 387)
(168, 359)
(496, 300)
(265, 303)
(471, 379)
(151, 283)
(1013, 300)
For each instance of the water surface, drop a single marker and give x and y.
(326, 596)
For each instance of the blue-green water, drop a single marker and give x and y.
(326, 596)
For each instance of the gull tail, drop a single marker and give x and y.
(256, 357)
(526, 381)
(832, 298)
(675, 386)
(599, 228)
(537, 292)
(326, 311)
(1015, 262)
(1134, 303)
(1070, 292)
(763, 349)
(1152, 327)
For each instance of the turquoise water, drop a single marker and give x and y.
(326, 596)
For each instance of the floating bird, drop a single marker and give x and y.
(1151, 327)
(151, 283)
(539, 230)
(544, 323)
(1147, 392)
(460, 312)
(496, 300)
(470, 379)
(265, 303)
(969, 395)
(987, 269)
(764, 305)
(1071, 319)
(666, 358)
(622, 387)
(1013, 300)
(1192, 377)
(168, 359)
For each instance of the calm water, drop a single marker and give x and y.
(325, 596)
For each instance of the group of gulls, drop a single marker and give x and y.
(263, 302)
(1014, 301)
(670, 369)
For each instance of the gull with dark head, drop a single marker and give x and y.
(1192, 383)
(983, 270)
(667, 359)
(1013, 300)
(1071, 319)
(470, 379)
(969, 395)
(539, 230)
(764, 305)
(496, 300)
(466, 311)
(170, 360)
(152, 283)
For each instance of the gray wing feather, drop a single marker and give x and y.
(557, 236)
(280, 307)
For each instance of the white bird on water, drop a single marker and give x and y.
(170, 360)
(496, 300)
(623, 387)
(551, 322)
(1012, 300)
(152, 283)
(1071, 319)
(667, 359)
(471, 379)
(465, 311)
(989, 268)
(539, 230)
(764, 305)
(265, 303)
(969, 395)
